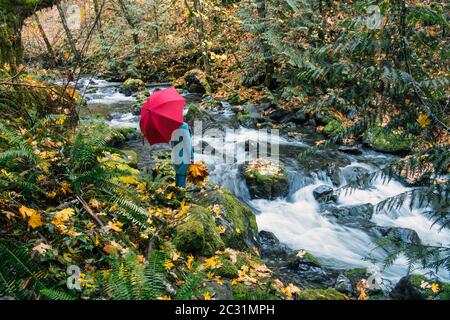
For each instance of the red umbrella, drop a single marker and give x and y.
(161, 115)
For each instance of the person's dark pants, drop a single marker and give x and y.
(180, 180)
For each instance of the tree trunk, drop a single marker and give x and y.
(201, 36)
(97, 10)
(265, 48)
(44, 36)
(13, 14)
(68, 33)
(132, 23)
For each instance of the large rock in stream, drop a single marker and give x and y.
(131, 86)
(265, 179)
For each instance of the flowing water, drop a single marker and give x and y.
(296, 220)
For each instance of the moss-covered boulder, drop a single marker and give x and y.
(321, 294)
(195, 81)
(266, 179)
(388, 140)
(234, 219)
(419, 287)
(247, 120)
(199, 234)
(131, 86)
(196, 113)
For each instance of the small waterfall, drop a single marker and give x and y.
(297, 219)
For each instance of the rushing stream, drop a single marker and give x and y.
(296, 220)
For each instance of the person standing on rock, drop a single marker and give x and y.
(162, 122)
(182, 153)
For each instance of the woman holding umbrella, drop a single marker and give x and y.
(162, 122)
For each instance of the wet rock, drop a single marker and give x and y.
(278, 114)
(354, 174)
(354, 150)
(334, 173)
(328, 161)
(265, 179)
(405, 235)
(251, 109)
(408, 288)
(419, 287)
(324, 193)
(311, 273)
(271, 247)
(247, 120)
(354, 213)
(197, 113)
(343, 284)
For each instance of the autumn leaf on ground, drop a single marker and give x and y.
(26, 212)
(423, 120)
(168, 264)
(116, 226)
(207, 296)
(35, 221)
(189, 262)
(65, 214)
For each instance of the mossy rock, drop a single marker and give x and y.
(237, 218)
(321, 294)
(195, 81)
(131, 86)
(263, 184)
(333, 128)
(388, 140)
(245, 292)
(197, 113)
(198, 235)
(247, 120)
(312, 258)
(355, 273)
(227, 270)
(419, 287)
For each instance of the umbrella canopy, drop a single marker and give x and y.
(161, 115)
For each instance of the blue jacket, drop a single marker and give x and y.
(180, 162)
